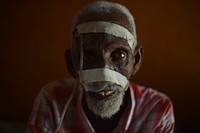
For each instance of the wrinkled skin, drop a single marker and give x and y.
(103, 50)
(106, 51)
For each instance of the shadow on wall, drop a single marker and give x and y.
(12, 127)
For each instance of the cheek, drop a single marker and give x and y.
(128, 68)
(127, 72)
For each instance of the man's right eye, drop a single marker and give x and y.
(88, 56)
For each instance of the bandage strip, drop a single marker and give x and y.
(102, 74)
(109, 28)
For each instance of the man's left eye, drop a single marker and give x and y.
(118, 55)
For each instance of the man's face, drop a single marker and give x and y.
(106, 51)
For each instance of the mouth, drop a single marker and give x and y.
(105, 93)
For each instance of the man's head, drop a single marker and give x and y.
(104, 55)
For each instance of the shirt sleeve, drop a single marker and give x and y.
(41, 119)
(167, 122)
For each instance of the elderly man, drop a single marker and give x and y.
(101, 97)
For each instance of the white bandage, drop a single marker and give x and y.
(102, 74)
(109, 28)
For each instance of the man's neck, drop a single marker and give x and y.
(105, 125)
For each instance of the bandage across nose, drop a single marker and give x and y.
(102, 75)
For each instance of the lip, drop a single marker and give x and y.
(98, 86)
(105, 94)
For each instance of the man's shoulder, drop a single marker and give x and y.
(153, 108)
(143, 91)
(149, 97)
(59, 89)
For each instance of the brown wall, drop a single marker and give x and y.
(35, 34)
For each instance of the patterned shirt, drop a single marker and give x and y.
(148, 111)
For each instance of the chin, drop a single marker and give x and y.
(105, 106)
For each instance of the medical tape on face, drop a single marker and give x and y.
(102, 74)
(109, 28)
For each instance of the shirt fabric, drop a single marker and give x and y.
(148, 111)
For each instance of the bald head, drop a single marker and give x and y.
(108, 12)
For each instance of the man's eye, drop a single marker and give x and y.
(118, 55)
(88, 56)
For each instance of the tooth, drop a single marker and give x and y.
(102, 93)
(105, 93)
(108, 92)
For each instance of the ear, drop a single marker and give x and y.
(138, 57)
(69, 63)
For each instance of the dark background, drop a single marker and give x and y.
(35, 33)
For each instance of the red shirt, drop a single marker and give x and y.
(148, 111)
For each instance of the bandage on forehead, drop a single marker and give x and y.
(102, 74)
(108, 28)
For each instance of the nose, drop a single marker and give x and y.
(99, 59)
(102, 61)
